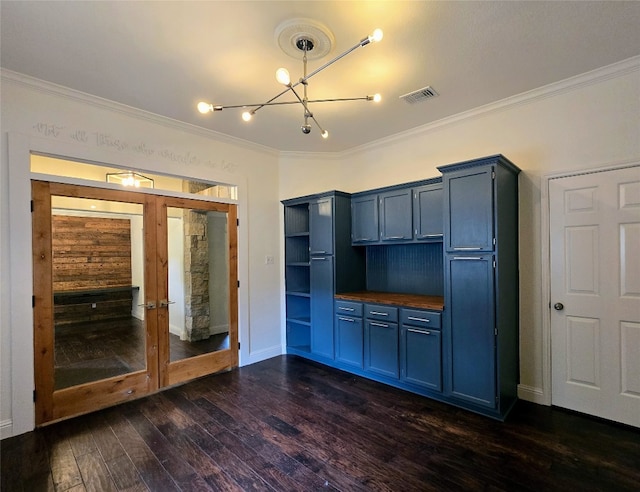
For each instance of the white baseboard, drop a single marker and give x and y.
(6, 428)
(534, 395)
(261, 355)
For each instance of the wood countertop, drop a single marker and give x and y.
(404, 300)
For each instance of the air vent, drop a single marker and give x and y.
(420, 95)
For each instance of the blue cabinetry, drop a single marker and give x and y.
(481, 283)
(427, 212)
(349, 334)
(421, 349)
(381, 340)
(364, 219)
(399, 214)
(319, 261)
(395, 215)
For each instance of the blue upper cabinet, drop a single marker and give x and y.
(364, 219)
(321, 226)
(427, 212)
(468, 211)
(395, 216)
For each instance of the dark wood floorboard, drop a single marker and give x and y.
(287, 424)
(97, 350)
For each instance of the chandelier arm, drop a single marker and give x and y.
(283, 103)
(363, 42)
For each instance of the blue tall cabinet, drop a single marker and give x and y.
(481, 283)
(319, 261)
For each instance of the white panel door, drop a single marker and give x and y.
(595, 293)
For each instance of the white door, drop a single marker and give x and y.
(595, 293)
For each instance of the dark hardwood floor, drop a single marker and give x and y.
(101, 349)
(289, 424)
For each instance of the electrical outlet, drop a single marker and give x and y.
(269, 260)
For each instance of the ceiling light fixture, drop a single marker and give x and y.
(305, 43)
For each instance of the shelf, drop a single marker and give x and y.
(306, 321)
(298, 293)
(298, 264)
(298, 234)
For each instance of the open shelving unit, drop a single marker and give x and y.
(297, 275)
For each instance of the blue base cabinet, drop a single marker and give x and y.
(481, 283)
(349, 334)
(421, 349)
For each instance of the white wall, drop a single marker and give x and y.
(53, 120)
(586, 122)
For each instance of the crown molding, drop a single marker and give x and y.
(592, 77)
(32, 83)
(567, 85)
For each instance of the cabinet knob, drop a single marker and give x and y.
(558, 306)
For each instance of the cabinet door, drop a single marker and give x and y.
(349, 340)
(427, 212)
(321, 226)
(381, 348)
(364, 219)
(421, 357)
(469, 281)
(395, 216)
(469, 210)
(322, 306)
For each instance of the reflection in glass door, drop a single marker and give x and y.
(97, 251)
(200, 333)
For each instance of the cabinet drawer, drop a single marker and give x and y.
(382, 313)
(349, 308)
(419, 318)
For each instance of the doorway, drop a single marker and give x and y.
(595, 293)
(133, 292)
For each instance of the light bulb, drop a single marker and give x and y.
(325, 134)
(376, 36)
(204, 107)
(282, 76)
(377, 98)
(246, 116)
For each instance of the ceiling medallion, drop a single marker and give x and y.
(313, 40)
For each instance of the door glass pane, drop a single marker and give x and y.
(98, 284)
(198, 250)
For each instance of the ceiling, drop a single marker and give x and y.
(165, 57)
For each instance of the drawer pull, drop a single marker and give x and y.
(345, 308)
(394, 237)
(419, 331)
(432, 235)
(318, 252)
(473, 258)
(468, 249)
(346, 319)
(423, 320)
(315, 258)
(383, 325)
(378, 313)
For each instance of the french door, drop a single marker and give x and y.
(133, 292)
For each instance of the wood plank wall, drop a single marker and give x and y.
(91, 254)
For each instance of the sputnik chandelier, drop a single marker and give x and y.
(295, 36)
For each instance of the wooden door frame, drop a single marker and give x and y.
(52, 405)
(543, 395)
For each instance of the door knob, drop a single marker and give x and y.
(558, 306)
(165, 303)
(149, 305)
